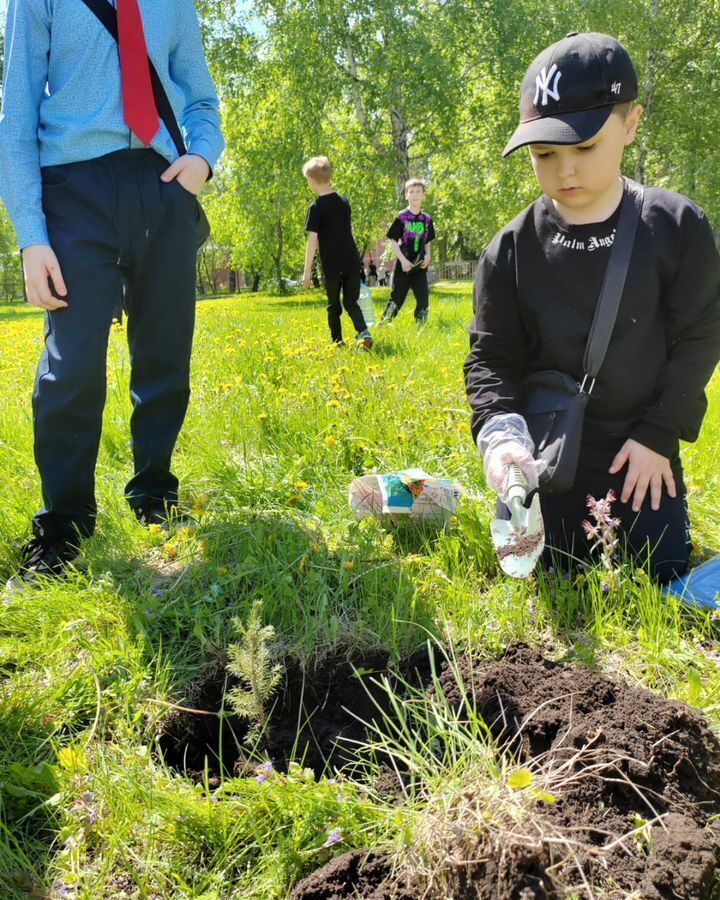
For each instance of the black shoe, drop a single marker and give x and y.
(391, 310)
(40, 557)
(164, 515)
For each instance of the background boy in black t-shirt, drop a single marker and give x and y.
(410, 235)
(329, 226)
(536, 289)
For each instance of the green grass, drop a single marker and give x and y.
(280, 423)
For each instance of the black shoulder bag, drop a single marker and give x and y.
(552, 402)
(107, 15)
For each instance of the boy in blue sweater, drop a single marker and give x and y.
(105, 211)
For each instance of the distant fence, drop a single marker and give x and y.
(456, 271)
(11, 290)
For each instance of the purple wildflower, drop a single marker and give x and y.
(602, 533)
(334, 837)
(605, 586)
(263, 772)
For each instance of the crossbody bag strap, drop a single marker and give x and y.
(613, 283)
(107, 15)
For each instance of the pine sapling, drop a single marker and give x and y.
(250, 661)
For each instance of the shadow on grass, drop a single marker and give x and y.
(316, 596)
(16, 311)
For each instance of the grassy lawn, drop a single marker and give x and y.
(280, 423)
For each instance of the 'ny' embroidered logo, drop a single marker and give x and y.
(542, 83)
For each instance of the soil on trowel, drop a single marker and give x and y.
(663, 763)
(316, 715)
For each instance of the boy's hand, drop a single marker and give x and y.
(191, 171)
(406, 265)
(40, 267)
(497, 463)
(646, 469)
(307, 282)
(425, 263)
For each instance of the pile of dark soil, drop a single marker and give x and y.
(670, 767)
(666, 762)
(361, 873)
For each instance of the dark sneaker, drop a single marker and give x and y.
(389, 314)
(164, 515)
(40, 557)
(364, 340)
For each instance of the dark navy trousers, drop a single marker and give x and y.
(122, 236)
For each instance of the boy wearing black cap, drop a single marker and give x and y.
(536, 290)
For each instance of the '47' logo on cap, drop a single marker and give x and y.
(542, 83)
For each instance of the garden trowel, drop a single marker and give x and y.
(520, 540)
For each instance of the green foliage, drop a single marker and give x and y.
(431, 89)
(251, 662)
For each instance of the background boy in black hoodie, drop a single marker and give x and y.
(536, 289)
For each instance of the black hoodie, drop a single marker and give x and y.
(534, 298)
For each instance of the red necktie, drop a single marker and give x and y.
(138, 101)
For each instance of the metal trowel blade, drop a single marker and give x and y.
(519, 548)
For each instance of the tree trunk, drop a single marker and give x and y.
(256, 282)
(277, 257)
(400, 133)
(651, 61)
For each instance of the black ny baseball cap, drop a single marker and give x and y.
(570, 90)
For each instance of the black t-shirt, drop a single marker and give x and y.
(412, 231)
(536, 288)
(330, 217)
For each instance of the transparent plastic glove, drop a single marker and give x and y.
(505, 441)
